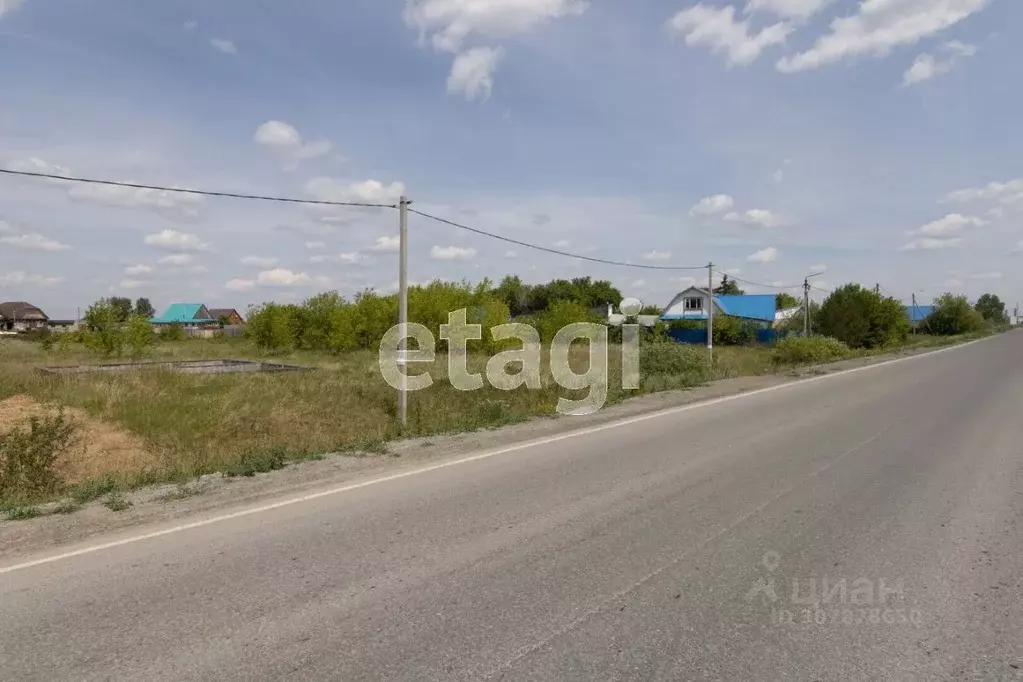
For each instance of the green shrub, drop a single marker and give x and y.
(22, 513)
(116, 502)
(172, 332)
(29, 452)
(673, 365)
(862, 318)
(139, 336)
(560, 314)
(258, 462)
(46, 338)
(802, 350)
(954, 315)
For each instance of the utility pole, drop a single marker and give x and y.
(877, 289)
(403, 307)
(710, 312)
(806, 306)
(913, 316)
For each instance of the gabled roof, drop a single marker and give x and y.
(183, 313)
(917, 313)
(217, 313)
(746, 306)
(21, 310)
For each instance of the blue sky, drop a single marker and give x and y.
(878, 139)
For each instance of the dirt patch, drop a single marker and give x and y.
(100, 448)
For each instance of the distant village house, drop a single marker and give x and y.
(18, 316)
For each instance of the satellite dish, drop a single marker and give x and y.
(631, 306)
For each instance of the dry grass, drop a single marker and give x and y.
(157, 425)
(165, 425)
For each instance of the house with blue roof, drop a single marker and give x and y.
(187, 315)
(692, 304)
(918, 314)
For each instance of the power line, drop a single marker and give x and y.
(556, 251)
(207, 193)
(766, 286)
(826, 291)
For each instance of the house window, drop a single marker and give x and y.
(693, 303)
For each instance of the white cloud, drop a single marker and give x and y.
(21, 278)
(240, 285)
(932, 244)
(657, 255)
(953, 283)
(756, 217)
(768, 255)
(987, 275)
(819, 267)
(134, 284)
(174, 205)
(1005, 193)
(8, 6)
(286, 142)
(345, 258)
(797, 9)
(177, 259)
(259, 261)
(449, 22)
(34, 164)
(997, 212)
(315, 246)
(387, 244)
(779, 175)
(684, 281)
(369, 191)
(879, 26)
(33, 241)
(924, 68)
(511, 254)
(283, 278)
(927, 66)
(719, 203)
(452, 253)
(141, 269)
(191, 25)
(960, 48)
(950, 224)
(1019, 246)
(224, 45)
(718, 29)
(472, 72)
(171, 204)
(172, 240)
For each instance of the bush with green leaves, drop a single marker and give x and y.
(992, 309)
(808, 350)
(673, 365)
(953, 314)
(29, 454)
(862, 318)
(172, 332)
(139, 336)
(104, 334)
(560, 314)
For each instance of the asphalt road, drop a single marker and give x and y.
(860, 526)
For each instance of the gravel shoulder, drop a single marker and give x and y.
(218, 494)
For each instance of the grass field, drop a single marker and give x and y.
(157, 425)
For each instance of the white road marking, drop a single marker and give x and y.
(487, 454)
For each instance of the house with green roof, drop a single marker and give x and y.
(187, 315)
